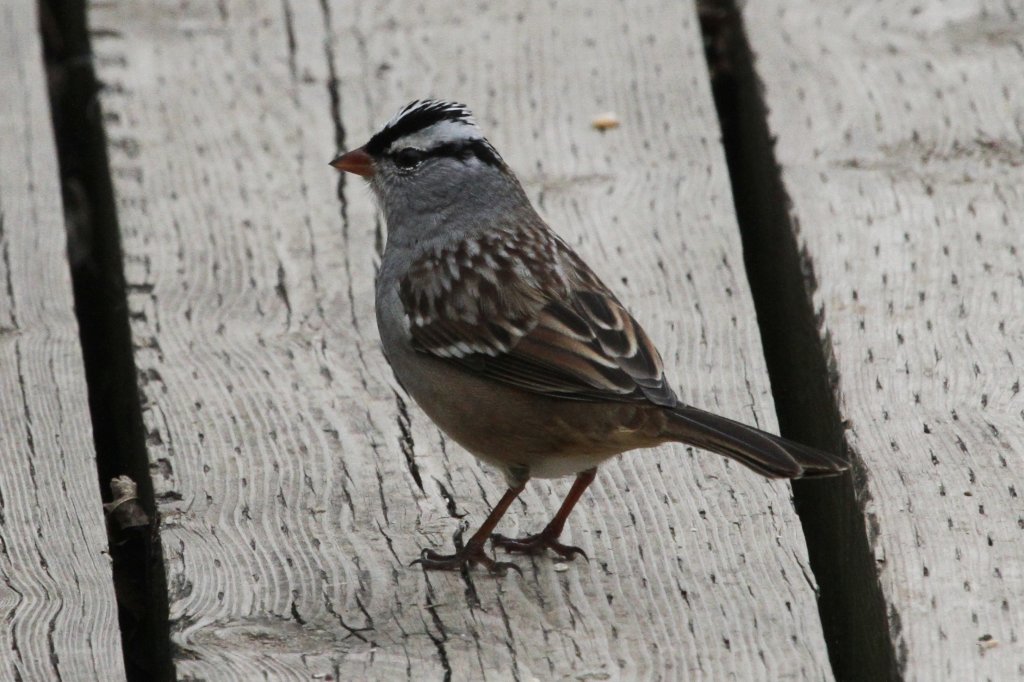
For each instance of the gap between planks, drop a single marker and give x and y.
(800, 366)
(97, 276)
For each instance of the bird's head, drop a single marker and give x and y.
(429, 145)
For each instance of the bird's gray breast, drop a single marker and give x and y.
(392, 322)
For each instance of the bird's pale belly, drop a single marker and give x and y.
(509, 428)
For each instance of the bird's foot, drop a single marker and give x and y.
(535, 544)
(464, 557)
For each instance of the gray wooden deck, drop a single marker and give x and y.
(292, 479)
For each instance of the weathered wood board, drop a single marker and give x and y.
(899, 130)
(57, 605)
(295, 481)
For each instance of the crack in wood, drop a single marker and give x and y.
(405, 440)
(441, 638)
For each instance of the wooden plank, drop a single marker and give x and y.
(899, 137)
(296, 483)
(57, 604)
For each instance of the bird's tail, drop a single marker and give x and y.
(767, 454)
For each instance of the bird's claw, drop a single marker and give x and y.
(535, 544)
(465, 557)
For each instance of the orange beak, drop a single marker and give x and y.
(356, 161)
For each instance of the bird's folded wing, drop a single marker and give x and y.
(535, 318)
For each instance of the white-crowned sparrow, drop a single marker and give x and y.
(508, 341)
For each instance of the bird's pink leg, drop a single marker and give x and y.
(548, 538)
(473, 551)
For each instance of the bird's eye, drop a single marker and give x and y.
(409, 157)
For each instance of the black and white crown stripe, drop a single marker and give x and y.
(435, 127)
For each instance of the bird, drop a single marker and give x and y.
(510, 342)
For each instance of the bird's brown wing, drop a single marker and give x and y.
(529, 313)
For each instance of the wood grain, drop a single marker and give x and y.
(57, 605)
(899, 129)
(296, 481)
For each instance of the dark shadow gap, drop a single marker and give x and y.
(97, 274)
(801, 367)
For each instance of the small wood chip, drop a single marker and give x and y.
(126, 510)
(561, 567)
(605, 121)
